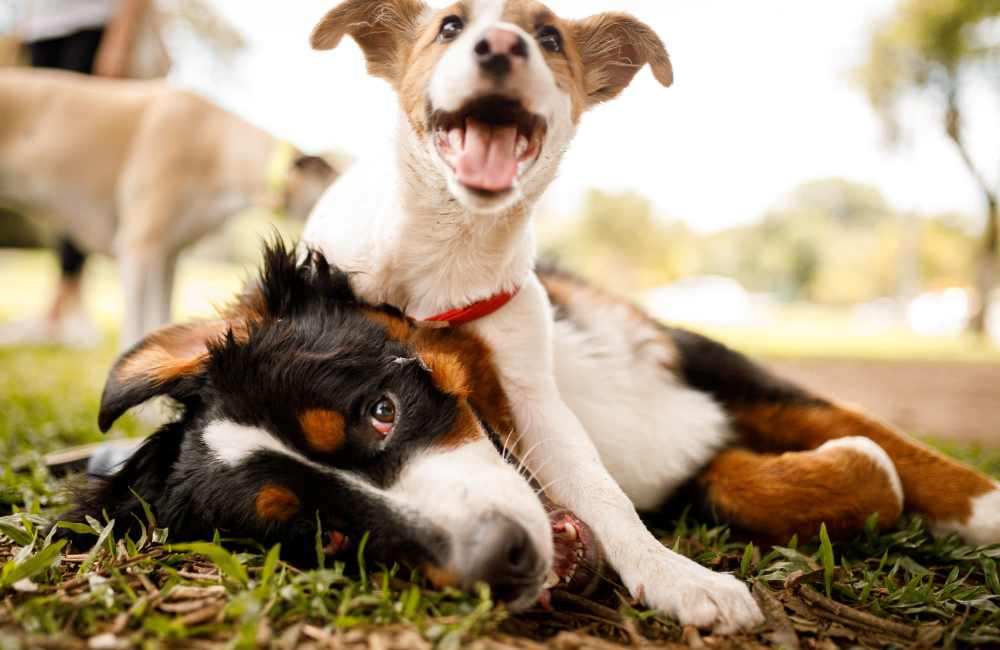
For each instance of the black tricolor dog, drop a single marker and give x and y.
(302, 406)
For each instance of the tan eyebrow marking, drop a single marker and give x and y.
(323, 429)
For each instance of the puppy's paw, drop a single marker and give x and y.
(694, 595)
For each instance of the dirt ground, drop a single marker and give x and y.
(954, 401)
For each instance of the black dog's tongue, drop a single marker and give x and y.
(578, 557)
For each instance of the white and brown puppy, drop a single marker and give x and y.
(138, 170)
(491, 92)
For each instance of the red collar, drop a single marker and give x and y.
(475, 311)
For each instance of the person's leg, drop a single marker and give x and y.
(68, 297)
(67, 319)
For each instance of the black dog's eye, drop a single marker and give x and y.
(383, 415)
(451, 27)
(550, 39)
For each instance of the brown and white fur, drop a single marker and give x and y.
(138, 170)
(607, 431)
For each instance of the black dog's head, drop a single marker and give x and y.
(301, 405)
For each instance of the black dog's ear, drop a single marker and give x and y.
(384, 29)
(167, 362)
(145, 473)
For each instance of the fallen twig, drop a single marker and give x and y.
(855, 615)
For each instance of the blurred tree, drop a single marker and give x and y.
(832, 241)
(620, 244)
(933, 48)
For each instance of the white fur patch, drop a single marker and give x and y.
(983, 526)
(232, 443)
(458, 487)
(873, 450)
(652, 432)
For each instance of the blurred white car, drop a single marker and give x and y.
(705, 299)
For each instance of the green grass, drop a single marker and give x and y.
(880, 590)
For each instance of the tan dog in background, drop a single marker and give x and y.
(138, 170)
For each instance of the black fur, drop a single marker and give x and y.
(311, 347)
(730, 377)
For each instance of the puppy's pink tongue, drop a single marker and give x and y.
(488, 160)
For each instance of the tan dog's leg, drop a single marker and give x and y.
(147, 280)
(775, 496)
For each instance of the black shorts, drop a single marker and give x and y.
(75, 51)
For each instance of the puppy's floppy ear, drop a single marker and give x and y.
(167, 362)
(385, 29)
(614, 47)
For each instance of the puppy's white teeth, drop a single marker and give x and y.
(551, 580)
(522, 146)
(579, 553)
(569, 530)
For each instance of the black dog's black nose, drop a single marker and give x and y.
(504, 557)
(499, 50)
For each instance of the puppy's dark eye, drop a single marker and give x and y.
(550, 39)
(451, 27)
(383, 415)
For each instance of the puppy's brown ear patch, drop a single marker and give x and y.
(613, 48)
(323, 429)
(448, 372)
(160, 364)
(384, 29)
(277, 503)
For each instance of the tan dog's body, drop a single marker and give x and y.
(134, 169)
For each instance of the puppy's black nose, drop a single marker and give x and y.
(504, 557)
(499, 51)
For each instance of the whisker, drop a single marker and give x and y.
(542, 489)
(527, 454)
(505, 453)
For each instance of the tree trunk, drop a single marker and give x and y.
(988, 267)
(989, 256)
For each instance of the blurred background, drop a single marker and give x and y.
(818, 188)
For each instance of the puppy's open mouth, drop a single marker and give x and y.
(490, 143)
(578, 558)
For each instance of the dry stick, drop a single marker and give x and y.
(783, 632)
(857, 616)
(79, 581)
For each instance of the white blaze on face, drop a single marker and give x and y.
(459, 488)
(494, 158)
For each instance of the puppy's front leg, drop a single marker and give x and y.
(558, 451)
(565, 460)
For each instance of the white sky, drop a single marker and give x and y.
(761, 102)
